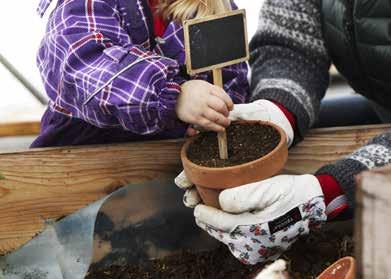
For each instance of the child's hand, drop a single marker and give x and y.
(203, 104)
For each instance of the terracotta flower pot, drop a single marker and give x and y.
(211, 181)
(344, 268)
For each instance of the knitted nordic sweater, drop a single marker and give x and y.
(290, 64)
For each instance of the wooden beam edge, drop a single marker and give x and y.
(20, 129)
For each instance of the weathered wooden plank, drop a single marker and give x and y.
(45, 184)
(19, 129)
(373, 238)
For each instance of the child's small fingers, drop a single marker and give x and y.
(191, 132)
(210, 126)
(217, 117)
(217, 104)
(220, 93)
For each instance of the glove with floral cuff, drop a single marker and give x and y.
(259, 221)
(335, 199)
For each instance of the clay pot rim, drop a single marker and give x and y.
(283, 141)
(348, 260)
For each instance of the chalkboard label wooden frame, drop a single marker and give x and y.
(233, 50)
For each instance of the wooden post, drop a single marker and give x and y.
(221, 137)
(372, 229)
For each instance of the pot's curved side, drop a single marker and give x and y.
(344, 268)
(238, 175)
(211, 181)
(209, 196)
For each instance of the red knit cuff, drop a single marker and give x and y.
(335, 200)
(287, 113)
(330, 187)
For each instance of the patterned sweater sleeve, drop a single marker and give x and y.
(289, 59)
(377, 153)
(93, 71)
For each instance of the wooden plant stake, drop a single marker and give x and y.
(222, 136)
(213, 43)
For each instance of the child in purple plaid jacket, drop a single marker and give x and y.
(110, 78)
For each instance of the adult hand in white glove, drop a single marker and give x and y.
(259, 221)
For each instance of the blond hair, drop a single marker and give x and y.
(180, 10)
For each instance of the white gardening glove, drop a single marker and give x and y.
(266, 111)
(276, 270)
(259, 221)
(191, 198)
(259, 110)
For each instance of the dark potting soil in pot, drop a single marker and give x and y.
(246, 143)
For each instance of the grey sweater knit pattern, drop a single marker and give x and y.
(290, 65)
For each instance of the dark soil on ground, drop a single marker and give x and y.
(307, 259)
(246, 143)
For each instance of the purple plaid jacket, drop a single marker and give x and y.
(109, 79)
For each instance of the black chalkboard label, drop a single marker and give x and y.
(216, 42)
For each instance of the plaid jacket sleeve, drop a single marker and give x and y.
(92, 71)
